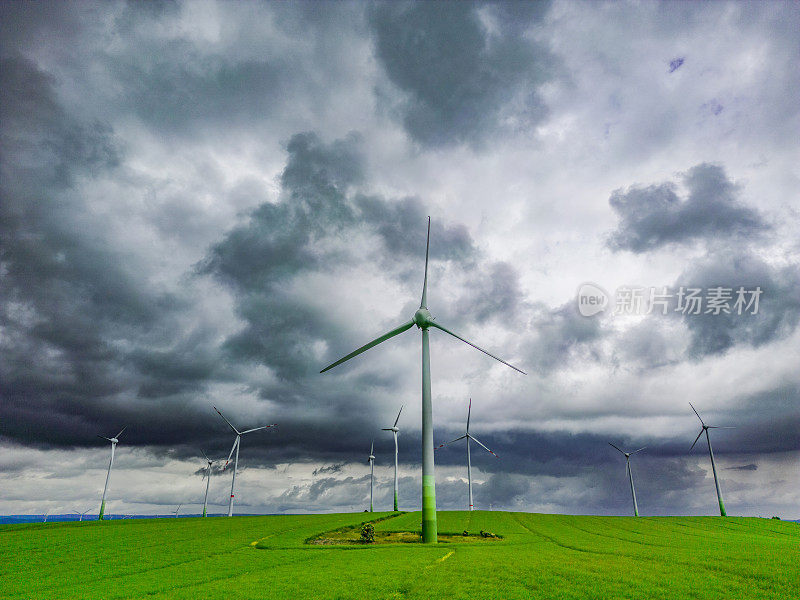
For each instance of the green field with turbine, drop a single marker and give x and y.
(537, 556)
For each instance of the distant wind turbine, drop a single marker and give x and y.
(423, 320)
(630, 474)
(705, 429)
(371, 461)
(395, 430)
(80, 514)
(114, 441)
(207, 475)
(469, 437)
(235, 447)
(176, 510)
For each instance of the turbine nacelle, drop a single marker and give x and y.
(423, 318)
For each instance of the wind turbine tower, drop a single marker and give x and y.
(207, 476)
(469, 437)
(705, 429)
(630, 474)
(235, 447)
(395, 430)
(114, 441)
(423, 320)
(371, 461)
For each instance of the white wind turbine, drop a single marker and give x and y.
(207, 475)
(395, 430)
(705, 429)
(176, 510)
(235, 447)
(371, 461)
(630, 474)
(81, 514)
(469, 437)
(114, 441)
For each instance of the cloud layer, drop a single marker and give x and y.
(203, 204)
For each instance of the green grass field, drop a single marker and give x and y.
(540, 556)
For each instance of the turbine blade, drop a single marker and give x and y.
(725, 427)
(697, 438)
(227, 462)
(259, 428)
(697, 413)
(438, 326)
(458, 438)
(226, 420)
(613, 446)
(372, 448)
(375, 342)
(424, 302)
(639, 450)
(398, 416)
(104, 437)
(387, 429)
(204, 455)
(477, 441)
(469, 411)
(120, 432)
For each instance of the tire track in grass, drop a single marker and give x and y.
(303, 558)
(554, 540)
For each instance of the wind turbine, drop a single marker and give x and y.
(177, 509)
(239, 435)
(114, 441)
(705, 428)
(395, 430)
(423, 320)
(630, 474)
(80, 514)
(371, 461)
(469, 437)
(207, 475)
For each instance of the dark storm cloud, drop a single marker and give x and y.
(581, 472)
(305, 232)
(68, 296)
(460, 73)
(561, 335)
(329, 469)
(734, 268)
(654, 216)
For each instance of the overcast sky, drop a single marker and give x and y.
(205, 203)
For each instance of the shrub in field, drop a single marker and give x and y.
(367, 533)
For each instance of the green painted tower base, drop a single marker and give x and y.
(429, 527)
(722, 512)
(102, 511)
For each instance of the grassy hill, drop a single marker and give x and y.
(540, 556)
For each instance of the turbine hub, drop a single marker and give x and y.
(115, 441)
(395, 429)
(422, 318)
